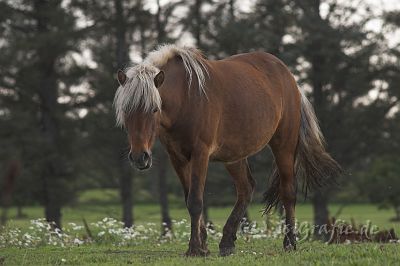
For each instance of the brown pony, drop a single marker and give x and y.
(224, 110)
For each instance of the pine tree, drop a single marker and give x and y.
(39, 37)
(340, 53)
(114, 24)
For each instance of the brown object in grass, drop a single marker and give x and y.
(341, 233)
(385, 236)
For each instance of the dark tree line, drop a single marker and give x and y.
(57, 65)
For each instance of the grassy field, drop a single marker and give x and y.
(157, 252)
(253, 253)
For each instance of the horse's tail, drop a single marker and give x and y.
(312, 163)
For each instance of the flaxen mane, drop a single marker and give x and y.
(139, 91)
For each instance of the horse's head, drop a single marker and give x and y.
(138, 98)
(138, 107)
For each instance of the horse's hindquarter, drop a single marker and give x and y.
(250, 94)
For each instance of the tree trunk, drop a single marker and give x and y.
(125, 178)
(159, 24)
(125, 183)
(52, 206)
(198, 22)
(8, 186)
(163, 192)
(20, 213)
(166, 224)
(51, 172)
(142, 41)
(53, 213)
(320, 197)
(121, 42)
(48, 94)
(397, 210)
(232, 9)
(321, 215)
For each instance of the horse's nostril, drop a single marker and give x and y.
(145, 156)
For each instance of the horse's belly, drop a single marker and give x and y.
(246, 137)
(228, 153)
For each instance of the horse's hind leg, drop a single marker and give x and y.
(284, 153)
(244, 184)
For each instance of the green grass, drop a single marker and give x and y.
(253, 252)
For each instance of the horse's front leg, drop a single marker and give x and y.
(194, 203)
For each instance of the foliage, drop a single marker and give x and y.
(382, 183)
(38, 71)
(351, 73)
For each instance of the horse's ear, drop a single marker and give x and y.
(159, 79)
(121, 77)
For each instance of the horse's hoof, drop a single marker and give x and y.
(197, 252)
(226, 251)
(289, 243)
(289, 247)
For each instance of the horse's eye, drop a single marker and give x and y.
(155, 110)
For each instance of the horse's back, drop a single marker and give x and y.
(260, 67)
(251, 90)
(258, 59)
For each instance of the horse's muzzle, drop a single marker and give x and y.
(142, 161)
